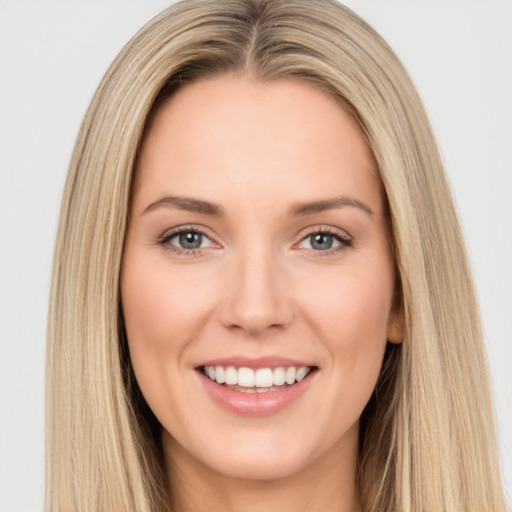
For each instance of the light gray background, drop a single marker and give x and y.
(52, 56)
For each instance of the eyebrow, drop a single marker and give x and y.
(298, 210)
(186, 203)
(302, 209)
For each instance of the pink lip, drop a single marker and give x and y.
(254, 362)
(255, 404)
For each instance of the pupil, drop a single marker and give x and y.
(321, 241)
(191, 240)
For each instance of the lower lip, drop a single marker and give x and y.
(256, 404)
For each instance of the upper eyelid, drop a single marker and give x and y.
(171, 232)
(326, 229)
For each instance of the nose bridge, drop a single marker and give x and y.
(257, 298)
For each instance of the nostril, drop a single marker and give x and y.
(256, 322)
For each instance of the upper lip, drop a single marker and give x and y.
(255, 362)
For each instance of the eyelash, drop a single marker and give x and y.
(344, 241)
(180, 251)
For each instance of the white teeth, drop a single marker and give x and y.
(231, 375)
(246, 377)
(301, 373)
(290, 375)
(219, 375)
(263, 379)
(279, 376)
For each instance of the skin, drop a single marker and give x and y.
(258, 287)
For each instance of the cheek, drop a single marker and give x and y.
(351, 306)
(162, 309)
(351, 318)
(163, 312)
(350, 315)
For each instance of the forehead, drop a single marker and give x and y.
(281, 138)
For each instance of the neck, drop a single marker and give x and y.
(328, 483)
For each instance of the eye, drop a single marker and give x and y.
(323, 240)
(186, 240)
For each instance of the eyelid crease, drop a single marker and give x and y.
(185, 228)
(330, 230)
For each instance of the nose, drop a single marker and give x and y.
(257, 298)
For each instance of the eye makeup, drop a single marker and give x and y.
(191, 241)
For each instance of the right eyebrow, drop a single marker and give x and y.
(189, 204)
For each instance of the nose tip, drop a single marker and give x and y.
(256, 300)
(253, 322)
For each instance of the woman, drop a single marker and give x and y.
(255, 194)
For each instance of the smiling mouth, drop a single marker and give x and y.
(261, 380)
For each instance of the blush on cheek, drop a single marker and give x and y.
(351, 318)
(164, 306)
(352, 310)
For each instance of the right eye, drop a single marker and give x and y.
(186, 241)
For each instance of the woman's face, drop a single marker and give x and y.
(257, 251)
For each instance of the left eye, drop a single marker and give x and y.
(323, 241)
(189, 240)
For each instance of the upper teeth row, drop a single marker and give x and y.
(261, 378)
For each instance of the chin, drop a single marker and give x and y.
(259, 468)
(258, 455)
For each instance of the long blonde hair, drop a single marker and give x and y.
(427, 436)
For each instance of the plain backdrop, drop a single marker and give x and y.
(52, 56)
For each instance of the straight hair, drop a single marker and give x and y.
(427, 437)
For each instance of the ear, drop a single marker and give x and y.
(395, 325)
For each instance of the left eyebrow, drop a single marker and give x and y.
(301, 209)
